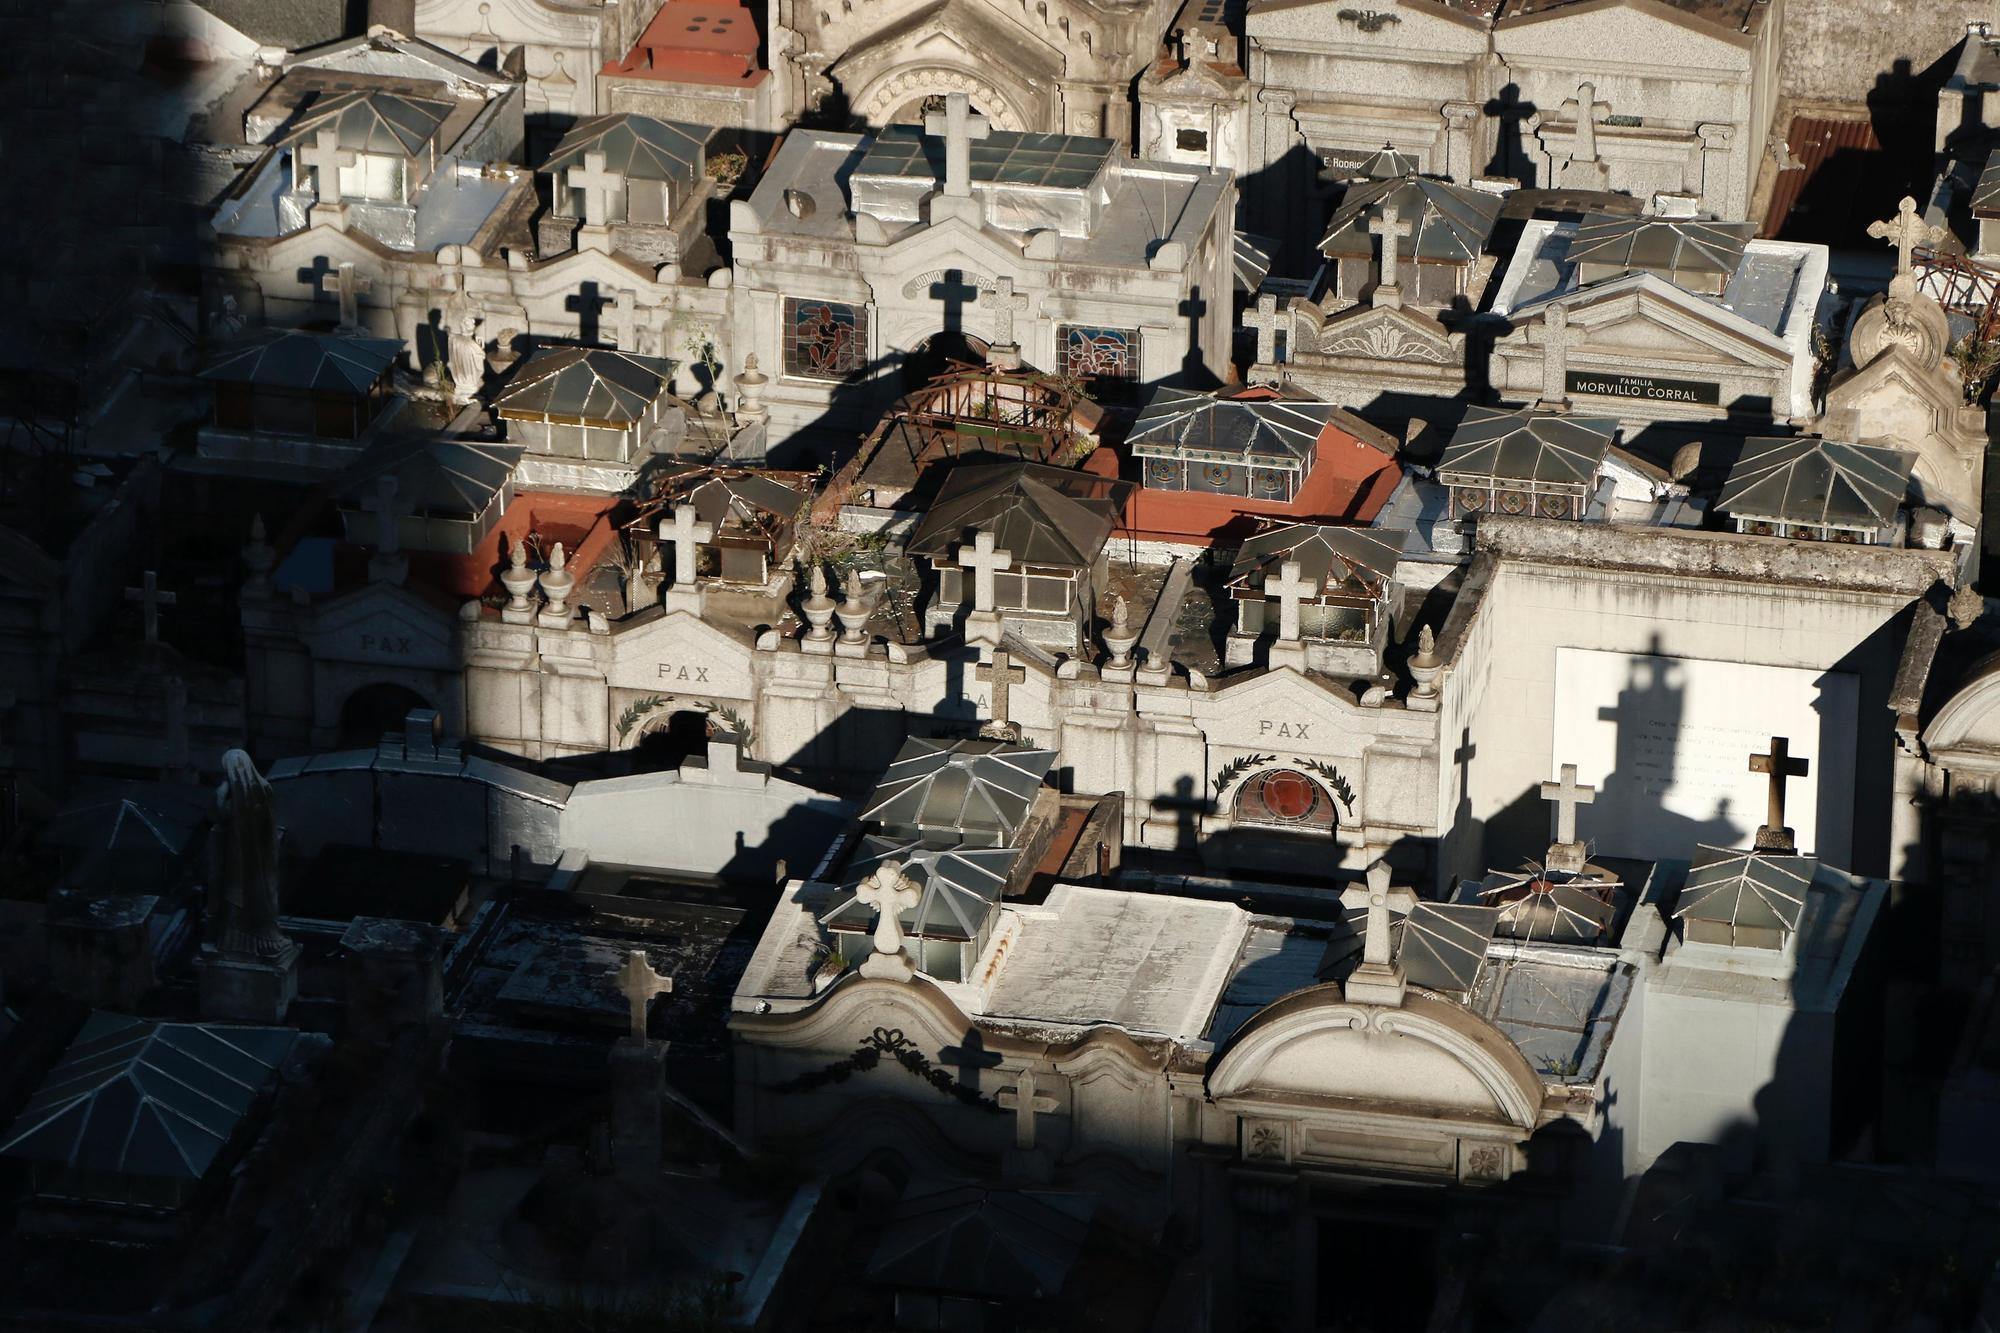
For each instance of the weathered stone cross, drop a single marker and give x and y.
(1389, 225)
(1026, 1104)
(596, 184)
(149, 596)
(1290, 590)
(349, 286)
(960, 125)
(1265, 320)
(624, 324)
(1005, 301)
(1380, 899)
(326, 157)
(1567, 795)
(1906, 231)
(1000, 673)
(687, 534)
(640, 983)
(1587, 111)
(1554, 336)
(984, 562)
(890, 892)
(1780, 764)
(382, 504)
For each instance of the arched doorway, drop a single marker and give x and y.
(663, 747)
(373, 710)
(937, 355)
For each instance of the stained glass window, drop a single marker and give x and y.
(824, 340)
(1101, 359)
(1287, 798)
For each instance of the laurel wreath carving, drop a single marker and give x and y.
(892, 1043)
(1333, 779)
(1236, 768)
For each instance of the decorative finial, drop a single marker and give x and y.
(1427, 642)
(1121, 615)
(257, 527)
(816, 581)
(557, 559)
(518, 557)
(850, 588)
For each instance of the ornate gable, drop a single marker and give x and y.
(1383, 333)
(678, 654)
(382, 623)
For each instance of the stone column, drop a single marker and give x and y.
(1718, 186)
(1459, 118)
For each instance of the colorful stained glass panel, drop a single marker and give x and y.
(1099, 357)
(824, 340)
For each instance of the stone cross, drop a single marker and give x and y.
(1380, 899)
(890, 892)
(960, 125)
(1026, 1104)
(970, 1058)
(624, 323)
(1290, 590)
(1265, 321)
(1001, 673)
(686, 534)
(1780, 764)
(984, 562)
(1567, 796)
(149, 596)
(640, 983)
(349, 286)
(1906, 231)
(1555, 338)
(326, 157)
(1391, 228)
(1005, 301)
(382, 504)
(1587, 111)
(596, 184)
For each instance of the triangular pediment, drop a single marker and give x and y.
(382, 623)
(572, 270)
(927, 253)
(1643, 316)
(1683, 39)
(1387, 333)
(982, 39)
(676, 654)
(1283, 696)
(1421, 25)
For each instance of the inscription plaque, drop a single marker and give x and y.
(1644, 386)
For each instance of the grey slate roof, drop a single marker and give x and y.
(373, 121)
(720, 494)
(1043, 515)
(1986, 194)
(1535, 904)
(137, 1097)
(1528, 446)
(1355, 560)
(961, 886)
(1442, 945)
(1754, 890)
(636, 146)
(1181, 423)
(1451, 223)
(974, 790)
(436, 476)
(1667, 246)
(1386, 163)
(1053, 161)
(595, 384)
(1806, 479)
(290, 359)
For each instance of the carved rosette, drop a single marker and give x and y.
(891, 93)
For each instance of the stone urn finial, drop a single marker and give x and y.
(817, 608)
(1425, 668)
(854, 609)
(1120, 637)
(557, 582)
(518, 579)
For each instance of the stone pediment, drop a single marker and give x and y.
(1638, 317)
(1282, 697)
(1616, 27)
(929, 252)
(677, 654)
(1383, 333)
(1429, 1057)
(1393, 25)
(382, 623)
(979, 43)
(564, 274)
(516, 19)
(1968, 726)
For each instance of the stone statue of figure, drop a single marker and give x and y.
(467, 358)
(243, 894)
(228, 321)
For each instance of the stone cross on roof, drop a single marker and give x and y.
(1006, 302)
(349, 286)
(890, 892)
(624, 322)
(596, 184)
(686, 534)
(1587, 111)
(1002, 672)
(326, 157)
(1555, 337)
(1780, 764)
(1567, 795)
(960, 125)
(1026, 1104)
(1290, 590)
(984, 561)
(640, 983)
(1380, 899)
(382, 504)
(1906, 231)
(151, 599)
(1265, 320)
(1390, 226)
